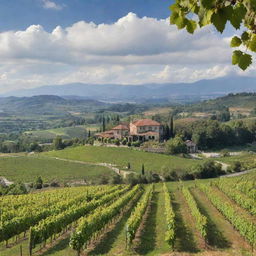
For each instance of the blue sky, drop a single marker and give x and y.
(52, 42)
(19, 14)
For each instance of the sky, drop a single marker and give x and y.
(53, 42)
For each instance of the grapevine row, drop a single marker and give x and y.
(246, 228)
(241, 199)
(170, 217)
(135, 219)
(201, 220)
(56, 223)
(30, 216)
(92, 224)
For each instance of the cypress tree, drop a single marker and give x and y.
(142, 170)
(103, 124)
(171, 129)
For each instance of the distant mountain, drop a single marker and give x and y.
(199, 90)
(46, 104)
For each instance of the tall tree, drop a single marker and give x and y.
(142, 170)
(103, 124)
(171, 129)
(58, 143)
(239, 13)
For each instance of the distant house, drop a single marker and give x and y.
(120, 131)
(191, 146)
(142, 130)
(146, 129)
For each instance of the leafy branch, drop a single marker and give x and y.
(240, 13)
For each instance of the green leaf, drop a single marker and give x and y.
(245, 61)
(238, 16)
(205, 17)
(236, 57)
(191, 26)
(219, 20)
(228, 11)
(174, 8)
(208, 4)
(235, 42)
(174, 16)
(181, 22)
(252, 44)
(245, 36)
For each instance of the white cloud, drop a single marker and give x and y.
(47, 4)
(132, 50)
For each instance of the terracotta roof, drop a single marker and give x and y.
(121, 127)
(106, 134)
(146, 122)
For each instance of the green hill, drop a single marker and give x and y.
(28, 168)
(121, 156)
(239, 100)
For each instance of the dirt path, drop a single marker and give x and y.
(238, 173)
(108, 165)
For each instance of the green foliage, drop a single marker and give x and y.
(245, 227)
(39, 183)
(58, 143)
(142, 170)
(60, 219)
(93, 223)
(219, 13)
(201, 220)
(170, 217)
(176, 146)
(135, 219)
(209, 169)
(235, 42)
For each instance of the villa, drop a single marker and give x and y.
(142, 130)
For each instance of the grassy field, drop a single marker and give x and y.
(28, 168)
(245, 158)
(223, 239)
(65, 132)
(121, 156)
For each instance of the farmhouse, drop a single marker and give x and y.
(142, 130)
(191, 146)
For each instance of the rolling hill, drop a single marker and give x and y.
(203, 89)
(46, 105)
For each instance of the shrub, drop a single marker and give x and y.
(117, 142)
(237, 166)
(38, 183)
(54, 184)
(136, 143)
(176, 146)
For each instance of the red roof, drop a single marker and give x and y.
(121, 127)
(106, 134)
(146, 122)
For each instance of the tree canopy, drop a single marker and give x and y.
(240, 14)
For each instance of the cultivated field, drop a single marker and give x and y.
(121, 156)
(28, 168)
(210, 217)
(65, 132)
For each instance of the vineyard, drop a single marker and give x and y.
(211, 217)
